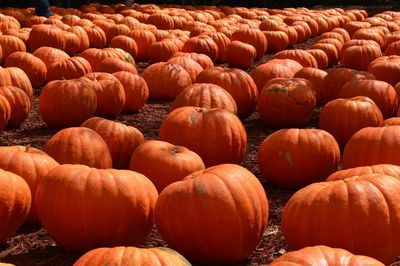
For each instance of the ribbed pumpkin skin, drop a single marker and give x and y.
(286, 102)
(110, 93)
(121, 256)
(64, 103)
(50, 55)
(323, 255)
(136, 90)
(74, 67)
(205, 95)
(15, 203)
(227, 194)
(360, 112)
(381, 142)
(359, 214)
(84, 208)
(383, 169)
(315, 76)
(5, 112)
(293, 158)
(79, 145)
(164, 163)
(122, 140)
(30, 164)
(301, 56)
(386, 68)
(165, 80)
(215, 134)
(237, 83)
(20, 104)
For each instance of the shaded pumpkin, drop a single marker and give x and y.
(383, 169)
(70, 68)
(284, 157)
(19, 102)
(301, 56)
(113, 64)
(315, 76)
(50, 55)
(240, 54)
(191, 66)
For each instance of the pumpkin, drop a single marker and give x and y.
(222, 42)
(143, 39)
(33, 67)
(16, 203)
(369, 34)
(46, 35)
(71, 68)
(166, 80)
(95, 197)
(96, 56)
(386, 68)
(240, 54)
(267, 71)
(203, 60)
(342, 212)
(301, 56)
(315, 76)
(310, 256)
(125, 43)
(50, 55)
(136, 90)
(161, 21)
(254, 37)
(206, 95)
(96, 35)
(381, 92)
(360, 112)
(284, 157)
(336, 79)
(393, 121)
(286, 102)
(228, 146)
(331, 51)
(122, 140)
(72, 43)
(32, 165)
(84, 42)
(191, 66)
(276, 40)
(393, 49)
(112, 64)
(5, 112)
(65, 103)
(382, 142)
(19, 104)
(383, 169)
(202, 44)
(320, 56)
(238, 201)
(237, 83)
(162, 51)
(10, 44)
(132, 256)
(164, 163)
(359, 57)
(109, 91)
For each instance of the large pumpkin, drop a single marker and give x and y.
(15, 203)
(79, 145)
(359, 214)
(122, 140)
(64, 103)
(164, 163)
(70, 68)
(386, 68)
(286, 102)
(166, 80)
(32, 165)
(215, 134)
(20, 104)
(112, 207)
(237, 83)
(323, 255)
(373, 145)
(383, 169)
(315, 76)
(293, 158)
(254, 37)
(121, 256)
(228, 195)
(359, 111)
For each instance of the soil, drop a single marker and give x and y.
(33, 246)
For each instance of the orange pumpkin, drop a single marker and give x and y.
(238, 201)
(254, 37)
(383, 169)
(173, 162)
(70, 68)
(240, 54)
(19, 102)
(301, 56)
(191, 66)
(95, 198)
(112, 64)
(122, 140)
(50, 55)
(228, 146)
(315, 76)
(284, 157)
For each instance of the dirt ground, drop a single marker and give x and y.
(33, 246)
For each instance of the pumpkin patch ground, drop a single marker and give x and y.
(32, 245)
